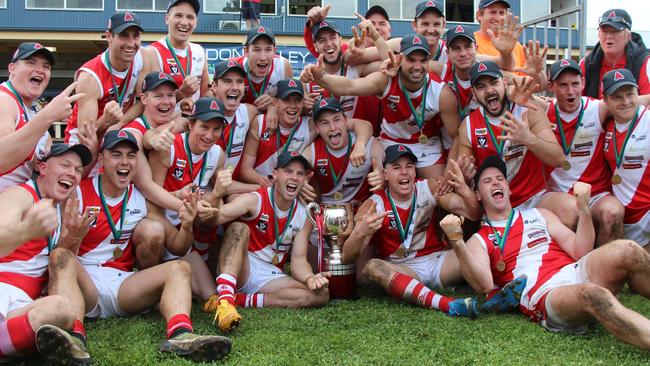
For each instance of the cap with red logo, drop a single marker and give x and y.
(207, 108)
(122, 20)
(257, 32)
(287, 157)
(617, 18)
(615, 79)
(28, 49)
(223, 67)
(193, 3)
(115, 137)
(459, 31)
(414, 42)
(325, 104)
(561, 66)
(156, 79)
(286, 87)
(321, 26)
(484, 68)
(394, 152)
(424, 6)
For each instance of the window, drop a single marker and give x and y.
(340, 8)
(233, 6)
(3, 3)
(397, 9)
(150, 5)
(64, 4)
(460, 11)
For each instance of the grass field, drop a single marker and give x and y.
(374, 330)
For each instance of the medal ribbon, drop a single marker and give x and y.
(336, 177)
(501, 240)
(436, 57)
(233, 127)
(256, 94)
(403, 230)
(619, 157)
(498, 145)
(188, 65)
(19, 99)
(278, 137)
(125, 200)
(119, 95)
(567, 148)
(145, 121)
(190, 163)
(51, 243)
(276, 224)
(419, 120)
(462, 111)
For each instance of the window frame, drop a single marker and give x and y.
(204, 9)
(117, 8)
(5, 5)
(65, 8)
(356, 9)
(474, 21)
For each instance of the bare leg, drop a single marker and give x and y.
(368, 253)
(234, 249)
(450, 274)
(69, 279)
(563, 206)
(381, 272)
(148, 243)
(621, 260)
(53, 310)
(289, 293)
(203, 284)
(608, 216)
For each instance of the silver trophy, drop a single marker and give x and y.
(335, 223)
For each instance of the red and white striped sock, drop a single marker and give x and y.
(404, 287)
(249, 300)
(17, 338)
(226, 284)
(179, 324)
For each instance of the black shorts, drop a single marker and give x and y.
(250, 10)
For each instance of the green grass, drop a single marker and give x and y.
(374, 330)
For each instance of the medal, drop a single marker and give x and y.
(501, 265)
(117, 253)
(566, 147)
(338, 196)
(501, 240)
(566, 165)
(275, 260)
(418, 114)
(401, 252)
(616, 179)
(423, 138)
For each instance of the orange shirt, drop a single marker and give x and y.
(485, 47)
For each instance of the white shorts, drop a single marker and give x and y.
(259, 274)
(427, 267)
(596, 198)
(639, 231)
(107, 280)
(12, 298)
(428, 154)
(533, 201)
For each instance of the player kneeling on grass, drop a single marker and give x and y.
(30, 227)
(277, 222)
(569, 285)
(398, 221)
(105, 279)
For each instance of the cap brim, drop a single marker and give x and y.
(325, 108)
(161, 82)
(398, 156)
(255, 37)
(615, 25)
(459, 35)
(117, 142)
(560, 71)
(209, 115)
(487, 73)
(125, 26)
(299, 158)
(47, 53)
(507, 4)
(612, 89)
(238, 68)
(287, 93)
(410, 50)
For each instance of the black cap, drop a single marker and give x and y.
(428, 5)
(376, 9)
(394, 152)
(287, 157)
(80, 149)
(614, 79)
(27, 49)
(207, 108)
(486, 3)
(114, 137)
(459, 31)
(223, 67)
(491, 161)
(484, 68)
(257, 32)
(155, 79)
(561, 66)
(321, 26)
(414, 42)
(194, 3)
(617, 18)
(286, 87)
(122, 20)
(325, 104)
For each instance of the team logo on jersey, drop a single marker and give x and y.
(261, 226)
(173, 67)
(482, 142)
(392, 223)
(481, 67)
(322, 171)
(618, 76)
(393, 101)
(181, 163)
(459, 29)
(266, 135)
(94, 212)
(480, 131)
(178, 173)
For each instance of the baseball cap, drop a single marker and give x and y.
(484, 68)
(457, 32)
(256, 32)
(486, 3)
(122, 20)
(223, 67)
(156, 79)
(79, 149)
(491, 161)
(325, 104)
(617, 18)
(414, 42)
(207, 108)
(194, 3)
(26, 49)
(428, 5)
(287, 157)
(562, 65)
(321, 26)
(112, 138)
(615, 79)
(394, 152)
(286, 87)
(376, 9)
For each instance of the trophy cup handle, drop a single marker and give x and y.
(313, 208)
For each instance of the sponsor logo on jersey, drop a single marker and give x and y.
(322, 171)
(482, 142)
(266, 135)
(135, 211)
(173, 66)
(536, 233)
(531, 221)
(264, 217)
(94, 212)
(322, 162)
(181, 163)
(537, 242)
(480, 131)
(393, 101)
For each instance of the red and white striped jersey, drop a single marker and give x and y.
(268, 150)
(26, 266)
(352, 182)
(237, 125)
(98, 246)
(98, 69)
(525, 170)
(262, 242)
(529, 250)
(634, 189)
(586, 156)
(275, 74)
(399, 124)
(421, 238)
(462, 89)
(23, 171)
(136, 126)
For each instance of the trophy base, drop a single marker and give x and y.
(342, 284)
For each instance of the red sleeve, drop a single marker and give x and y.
(644, 83)
(582, 67)
(309, 40)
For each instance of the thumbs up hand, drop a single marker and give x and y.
(376, 177)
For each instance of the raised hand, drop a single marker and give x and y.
(164, 139)
(522, 93)
(582, 193)
(390, 67)
(534, 59)
(308, 193)
(313, 73)
(263, 102)
(456, 179)
(41, 219)
(369, 221)
(376, 177)
(222, 182)
(318, 13)
(357, 44)
(60, 108)
(466, 164)
(452, 226)
(518, 131)
(358, 154)
(190, 86)
(187, 104)
(112, 114)
(507, 33)
(88, 135)
(367, 27)
(74, 226)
